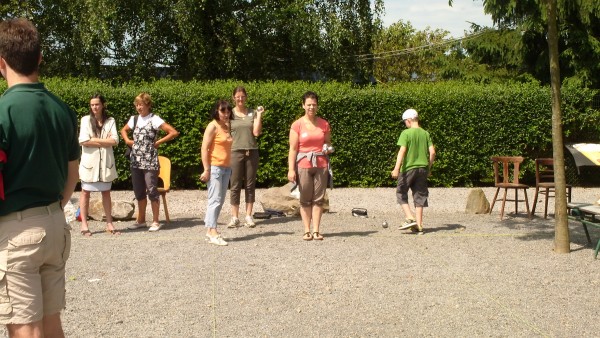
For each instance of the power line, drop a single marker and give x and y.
(411, 50)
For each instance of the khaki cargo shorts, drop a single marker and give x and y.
(34, 246)
(312, 185)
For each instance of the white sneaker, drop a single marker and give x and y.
(216, 240)
(250, 222)
(155, 227)
(234, 223)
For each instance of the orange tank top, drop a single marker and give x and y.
(220, 149)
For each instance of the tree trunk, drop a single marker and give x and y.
(561, 228)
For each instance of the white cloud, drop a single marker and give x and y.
(437, 14)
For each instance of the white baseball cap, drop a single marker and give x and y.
(409, 114)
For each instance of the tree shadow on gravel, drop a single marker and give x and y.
(184, 223)
(276, 220)
(188, 222)
(192, 222)
(520, 223)
(447, 227)
(541, 228)
(259, 235)
(351, 233)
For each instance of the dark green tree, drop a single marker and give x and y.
(520, 43)
(204, 39)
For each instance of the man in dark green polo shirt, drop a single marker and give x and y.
(38, 133)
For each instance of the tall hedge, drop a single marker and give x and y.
(468, 124)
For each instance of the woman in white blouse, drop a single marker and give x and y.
(97, 169)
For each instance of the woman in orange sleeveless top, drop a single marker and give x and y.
(216, 158)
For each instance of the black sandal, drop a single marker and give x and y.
(307, 236)
(316, 235)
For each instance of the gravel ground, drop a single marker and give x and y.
(469, 275)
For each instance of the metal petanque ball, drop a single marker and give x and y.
(384, 224)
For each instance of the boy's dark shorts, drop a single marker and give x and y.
(416, 180)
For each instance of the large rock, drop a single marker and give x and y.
(121, 210)
(477, 203)
(281, 199)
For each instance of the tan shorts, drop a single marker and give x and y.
(312, 183)
(34, 246)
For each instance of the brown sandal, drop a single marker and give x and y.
(307, 236)
(113, 231)
(316, 235)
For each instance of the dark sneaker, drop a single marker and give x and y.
(418, 229)
(408, 223)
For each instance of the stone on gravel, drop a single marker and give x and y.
(121, 210)
(281, 199)
(477, 203)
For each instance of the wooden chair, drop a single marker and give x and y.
(504, 180)
(164, 176)
(544, 183)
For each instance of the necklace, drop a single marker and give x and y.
(225, 128)
(239, 113)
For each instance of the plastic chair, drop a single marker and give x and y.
(504, 180)
(164, 176)
(544, 183)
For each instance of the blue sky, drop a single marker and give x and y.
(437, 14)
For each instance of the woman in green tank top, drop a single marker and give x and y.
(246, 126)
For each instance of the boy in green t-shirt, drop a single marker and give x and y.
(413, 166)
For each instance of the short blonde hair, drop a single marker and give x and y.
(143, 98)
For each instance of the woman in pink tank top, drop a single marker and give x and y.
(310, 139)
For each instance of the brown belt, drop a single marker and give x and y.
(31, 212)
(245, 151)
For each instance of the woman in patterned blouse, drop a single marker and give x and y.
(144, 157)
